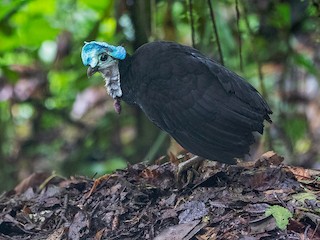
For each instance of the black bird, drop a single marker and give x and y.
(209, 110)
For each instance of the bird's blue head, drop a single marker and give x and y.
(100, 55)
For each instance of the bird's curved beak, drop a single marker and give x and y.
(91, 71)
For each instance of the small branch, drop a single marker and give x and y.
(316, 5)
(259, 65)
(95, 29)
(153, 17)
(215, 31)
(13, 11)
(239, 36)
(254, 50)
(192, 24)
(155, 147)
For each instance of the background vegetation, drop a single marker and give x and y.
(53, 118)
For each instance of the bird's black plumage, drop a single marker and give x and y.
(208, 109)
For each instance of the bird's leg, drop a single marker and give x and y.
(184, 166)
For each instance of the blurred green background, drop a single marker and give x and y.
(53, 118)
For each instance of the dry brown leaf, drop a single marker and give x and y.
(34, 180)
(57, 234)
(79, 226)
(304, 174)
(177, 232)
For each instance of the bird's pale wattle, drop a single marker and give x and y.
(111, 76)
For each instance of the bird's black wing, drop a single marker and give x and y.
(208, 109)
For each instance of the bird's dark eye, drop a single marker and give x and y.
(104, 57)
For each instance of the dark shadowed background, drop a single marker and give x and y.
(53, 118)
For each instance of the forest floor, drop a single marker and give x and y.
(264, 199)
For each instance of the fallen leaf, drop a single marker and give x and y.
(79, 226)
(302, 197)
(177, 232)
(192, 210)
(34, 180)
(262, 225)
(280, 214)
(256, 208)
(57, 234)
(304, 174)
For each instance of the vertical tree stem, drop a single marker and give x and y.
(215, 31)
(259, 64)
(239, 36)
(192, 23)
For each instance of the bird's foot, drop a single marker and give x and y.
(191, 164)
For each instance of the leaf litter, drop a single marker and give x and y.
(264, 199)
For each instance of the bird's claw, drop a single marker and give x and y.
(184, 166)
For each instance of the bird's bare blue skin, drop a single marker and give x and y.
(102, 57)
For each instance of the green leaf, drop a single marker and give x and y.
(108, 166)
(280, 214)
(295, 128)
(301, 197)
(281, 16)
(306, 62)
(304, 197)
(63, 87)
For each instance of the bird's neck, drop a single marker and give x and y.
(126, 81)
(111, 76)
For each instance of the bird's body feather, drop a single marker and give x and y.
(209, 110)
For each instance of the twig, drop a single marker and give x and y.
(305, 235)
(315, 230)
(239, 36)
(215, 31)
(47, 180)
(64, 211)
(13, 11)
(95, 29)
(155, 147)
(6, 237)
(262, 87)
(316, 5)
(259, 65)
(192, 24)
(279, 199)
(153, 25)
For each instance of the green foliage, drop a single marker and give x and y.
(302, 197)
(306, 63)
(62, 86)
(29, 30)
(280, 214)
(281, 17)
(42, 78)
(295, 128)
(108, 166)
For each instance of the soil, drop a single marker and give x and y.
(264, 199)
